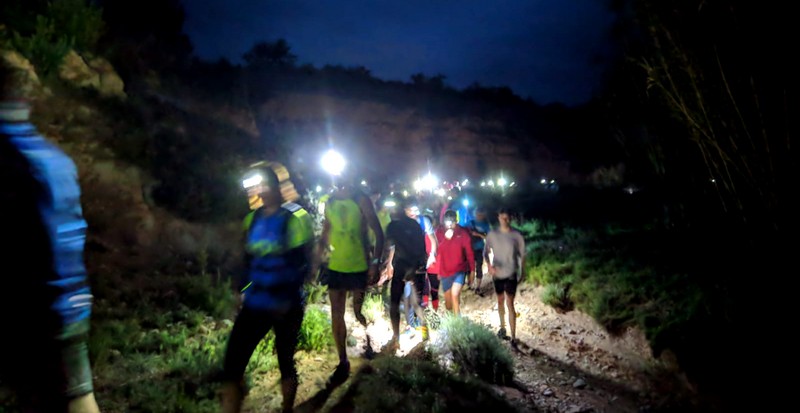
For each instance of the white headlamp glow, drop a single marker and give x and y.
(252, 181)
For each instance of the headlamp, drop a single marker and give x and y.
(252, 181)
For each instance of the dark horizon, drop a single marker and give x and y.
(549, 53)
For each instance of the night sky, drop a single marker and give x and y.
(547, 50)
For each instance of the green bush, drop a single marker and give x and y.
(77, 21)
(212, 295)
(475, 350)
(556, 295)
(45, 47)
(263, 358)
(315, 293)
(536, 228)
(46, 38)
(315, 333)
(373, 308)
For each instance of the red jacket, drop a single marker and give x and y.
(454, 254)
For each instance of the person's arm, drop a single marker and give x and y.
(434, 248)
(300, 243)
(487, 248)
(321, 248)
(387, 272)
(247, 258)
(522, 253)
(467, 245)
(368, 211)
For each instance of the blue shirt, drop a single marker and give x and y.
(478, 226)
(42, 196)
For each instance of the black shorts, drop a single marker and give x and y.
(508, 285)
(347, 281)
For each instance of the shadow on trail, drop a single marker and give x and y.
(317, 402)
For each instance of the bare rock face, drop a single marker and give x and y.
(111, 84)
(379, 138)
(28, 82)
(119, 216)
(75, 71)
(96, 73)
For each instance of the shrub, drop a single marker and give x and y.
(45, 47)
(474, 350)
(315, 333)
(315, 293)
(556, 295)
(77, 21)
(217, 297)
(373, 307)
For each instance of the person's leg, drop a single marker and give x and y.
(501, 312)
(415, 304)
(447, 288)
(84, 404)
(358, 304)
(338, 299)
(511, 291)
(248, 329)
(286, 336)
(433, 279)
(425, 286)
(455, 292)
(512, 315)
(396, 295)
(57, 376)
(478, 270)
(407, 291)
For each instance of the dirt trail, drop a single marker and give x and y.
(565, 362)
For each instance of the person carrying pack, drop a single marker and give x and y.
(45, 298)
(279, 237)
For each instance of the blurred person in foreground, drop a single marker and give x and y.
(505, 253)
(279, 237)
(45, 299)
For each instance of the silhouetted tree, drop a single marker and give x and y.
(275, 54)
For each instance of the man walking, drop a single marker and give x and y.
(505, 253)
(405, 267)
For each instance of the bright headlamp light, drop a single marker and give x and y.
(252, 181)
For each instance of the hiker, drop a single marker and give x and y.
(405, 259)
(505, 253)
(351, 263)
(45, 298)
(478, 228)
(278, 243)
(456, 260)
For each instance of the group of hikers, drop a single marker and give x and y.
(364, 242)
